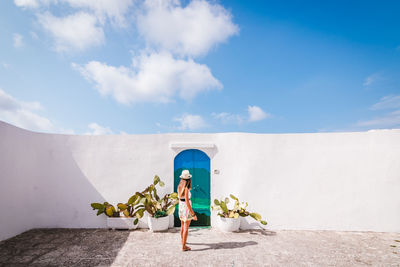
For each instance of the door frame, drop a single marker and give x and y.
(209, 148)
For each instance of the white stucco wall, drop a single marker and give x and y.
(329, 181)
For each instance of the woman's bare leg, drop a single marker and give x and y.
(185, 235)
(182, 227)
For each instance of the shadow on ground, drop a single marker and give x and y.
(210, 247)
(258, 232)
(223, 245)
(62, 247)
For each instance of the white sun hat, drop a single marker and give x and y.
(185, 174)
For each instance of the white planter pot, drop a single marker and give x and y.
(244, 224)
(228, 224)
(143, 222)
(158, 224)
(121, 223)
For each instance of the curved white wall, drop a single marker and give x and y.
(331, 181)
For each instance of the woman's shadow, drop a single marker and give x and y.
(223, 245)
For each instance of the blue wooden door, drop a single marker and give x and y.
(198, 164)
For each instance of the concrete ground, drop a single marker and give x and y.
(102, 247)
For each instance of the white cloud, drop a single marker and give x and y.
(83, 29)
(18, 40)
(114, 10)
(387, 102)
(373, 78)
(227, 118)
(190, 122)
(175, 33)
(78, 31)
(96, 129)
(389, 120)
(27, 3)
(22, 114)
(154, 77)
(35, 4)
(191, 30)
(256, 113)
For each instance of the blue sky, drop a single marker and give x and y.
(138, 67)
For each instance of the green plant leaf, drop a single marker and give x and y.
(139, 213)
(137, 201)
(151, 188)
(226, 200)
(132, 199)
(110, 211)
(156, 180)
(236, 207)
(136, 221)
(263, 222)
(216, 202)
(155, 194)
(173, 195)
(126, 213)
(97, 206)
(233, 197)
(122, 206)
(161, 183)
(256, 216)
(148, 198)
(160, 213)
(100, 211)
(149, 210)
(170, 210)
(223, 207)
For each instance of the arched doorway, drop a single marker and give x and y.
(198, 164)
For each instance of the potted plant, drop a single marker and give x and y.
(229, 220)
(131, 212)
(157, 208)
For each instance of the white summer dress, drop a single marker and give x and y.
(184, 212)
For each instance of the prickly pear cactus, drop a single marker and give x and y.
(239, 209)
(147, 200)
(153, 203)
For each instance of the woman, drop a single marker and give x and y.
(186, 214)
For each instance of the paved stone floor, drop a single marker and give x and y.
(102, 247)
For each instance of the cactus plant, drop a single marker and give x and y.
(239, 209)
(105, 208)
(152, 203)
(147, 200)
(129, 209)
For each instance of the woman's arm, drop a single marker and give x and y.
(187, 201)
